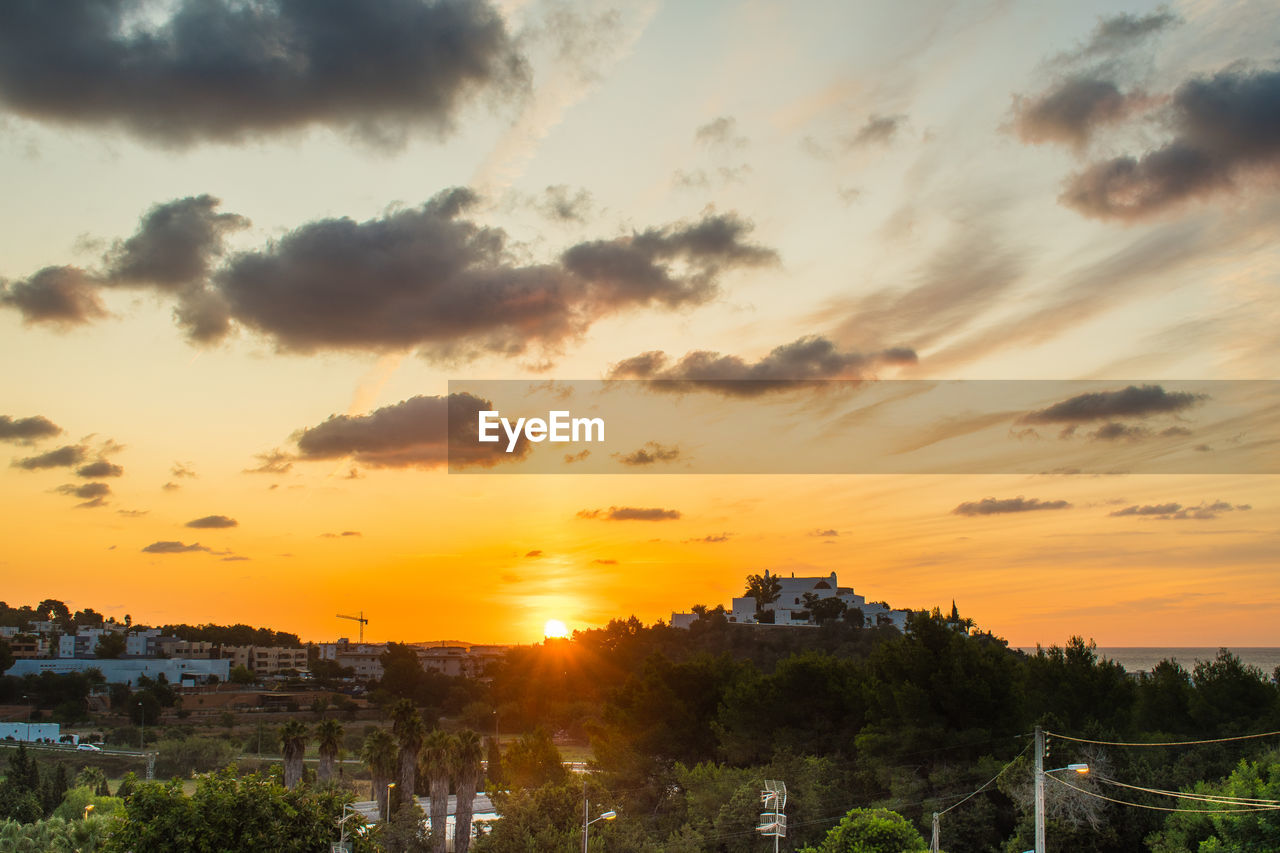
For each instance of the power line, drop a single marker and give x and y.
(984, 786)
(1160, 808)
(1166, 743)
(1207, 798)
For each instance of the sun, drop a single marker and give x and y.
(554, 628)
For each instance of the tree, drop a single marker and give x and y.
(253, 812)
(406, 725)
(493, 764)
(293, 743)
(466, 772)
(823, 609)
(765, 589)
(379, 753)
(871, 831)
(241, 675)
(437, 758)
(110, 645)
(329, 739)
(532, 761)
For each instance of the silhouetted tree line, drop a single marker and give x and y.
(685, 725)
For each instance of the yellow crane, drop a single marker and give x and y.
(363, 621)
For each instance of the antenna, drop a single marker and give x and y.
(363, 621)
(773, 822)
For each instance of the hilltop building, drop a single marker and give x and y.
(791, 607)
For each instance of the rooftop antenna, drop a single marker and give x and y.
(363, 621)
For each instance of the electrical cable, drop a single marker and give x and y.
(1167, 743)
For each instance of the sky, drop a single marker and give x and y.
(263, 263)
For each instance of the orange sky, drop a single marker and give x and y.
(243, 307)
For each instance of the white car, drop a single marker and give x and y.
(89, 746)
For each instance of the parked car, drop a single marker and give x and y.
(90, 747)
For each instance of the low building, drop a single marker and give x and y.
(31, 732)
(128, 670)
(25, 646)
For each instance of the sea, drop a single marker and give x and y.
(1145, 658)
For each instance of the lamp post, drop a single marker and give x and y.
(142, 728)
(587, 820)
(348, 812)
(1040, 774)
(390, 785)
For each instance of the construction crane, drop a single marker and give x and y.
(363, 621)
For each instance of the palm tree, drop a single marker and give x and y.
(329, 737)
(379, 753)
(437, 750)
(466, 770)
(293, 743)
(409, 731)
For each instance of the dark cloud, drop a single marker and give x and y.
(64, 457)
(27, 430)
(1133, 401)
(100, 468)
(999, 506)
(182, 471)
(170, 547)
(174, 247)
(1175, 431)
(631, 513)
(560, 204)
(234, 559)
(605, 562)
(828, 533)
(1116, 431)
(85, 491)
(342, 535)
(1122, 32)
(60, 296)
(215, 522)
(132, 513)
(224, 71)
(877, 130)
(1073, 109)
(427, 277)
(650, 454)
(721, 131)
(581, 456)
(421, 432)
(713, 539)
(803, 360)
(1226, 129)
(171, 487)
(274, 461)
(1177, 512)
(533, 555)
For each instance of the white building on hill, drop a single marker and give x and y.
(791, 608)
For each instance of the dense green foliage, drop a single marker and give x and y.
(255, 812)
(686, 725)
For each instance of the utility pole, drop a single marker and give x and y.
(1039, 790)
(933, 845)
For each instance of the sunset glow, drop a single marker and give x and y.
(229, 338)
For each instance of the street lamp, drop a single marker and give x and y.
(390, 785)
(1082, 769)
(142, 728)
(586, 816)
